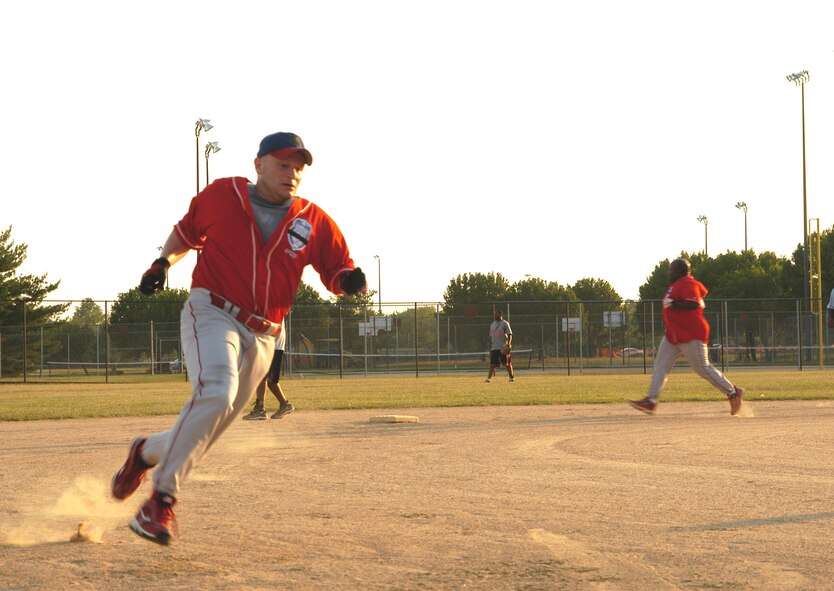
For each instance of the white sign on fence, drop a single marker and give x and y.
(613, 319)
(376, 326)
(571, 324)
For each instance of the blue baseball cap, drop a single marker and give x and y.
(283, 144)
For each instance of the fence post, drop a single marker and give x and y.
(365, 339)
(725, 359)
(153, 356)
(581, 337)
(799, 331)
(107, 344)
(567, 337)
(416, 354)
(437, 315)
(644, 337)
(341, 340)
(286, 326)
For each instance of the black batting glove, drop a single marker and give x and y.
(354, 282)
(154, 278)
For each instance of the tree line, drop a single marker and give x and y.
(469, 297)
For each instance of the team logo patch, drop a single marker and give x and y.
(299, 233)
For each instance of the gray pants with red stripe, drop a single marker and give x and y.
(696, 354)
(226, 362)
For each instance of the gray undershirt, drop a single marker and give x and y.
(267, 214)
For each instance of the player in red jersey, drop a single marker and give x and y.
(686, 334)
(254, 241)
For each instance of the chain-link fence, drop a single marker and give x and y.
(434, 338)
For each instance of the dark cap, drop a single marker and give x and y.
(283, 144)
(679, 268)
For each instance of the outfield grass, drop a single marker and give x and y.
(19, 402)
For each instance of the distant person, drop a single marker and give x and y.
(686, 334)
(254, 241)
(500, 345)
(829, 311)
(285, 407)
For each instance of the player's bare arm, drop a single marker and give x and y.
(174, 249)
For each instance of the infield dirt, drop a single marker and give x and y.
(536, 497)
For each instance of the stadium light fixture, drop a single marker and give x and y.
(201, 125)
(743, 206)
(379, 281)
(703, 218)
(211, 148)
(800, 79)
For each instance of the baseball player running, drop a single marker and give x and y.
(254, 241)
(500, 344)
(686, 334)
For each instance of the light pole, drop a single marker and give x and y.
(379, 280)
(743, 206)
(23, 299)
(201, 125)
(800, 78)
(703, 218)
(211, 148)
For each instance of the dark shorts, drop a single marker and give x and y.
(497, 358)
(274, 373)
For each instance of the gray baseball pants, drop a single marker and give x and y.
(226, 362)
(696, 354)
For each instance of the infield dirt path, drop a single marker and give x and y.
(542, 497)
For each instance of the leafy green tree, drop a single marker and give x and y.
(598, 336)
(17, 291)
(88, 313)
(533, 289)
(658, 281)
(84, 329)
(743, 280)
(469, 300)
(134, 307)
(533, 304)
(476, 288)
(15, 288)
(793, 277)
(424, 319)
(588, 289)
(134, 315)
(305, 294)
(827, 261)
(312, 321)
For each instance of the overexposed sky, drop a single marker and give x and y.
(557, 139)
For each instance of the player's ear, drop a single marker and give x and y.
(257, 165)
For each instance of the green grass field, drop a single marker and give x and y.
(19, 402)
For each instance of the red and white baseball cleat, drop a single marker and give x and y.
(132, 473)
(735, 400)
(645, 405)
(155, 520)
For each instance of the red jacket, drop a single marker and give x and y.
(234, 262)
(683, 326)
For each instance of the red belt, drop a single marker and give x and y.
(247, 319)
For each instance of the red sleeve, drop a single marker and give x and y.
(187, 230)
(332, 257)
